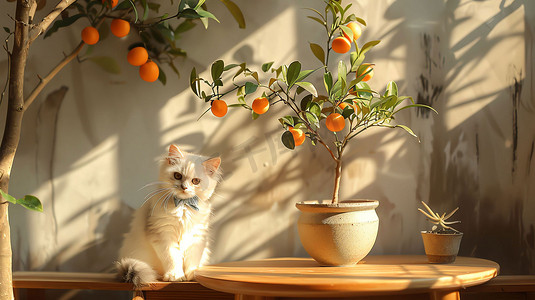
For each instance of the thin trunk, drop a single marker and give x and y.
(10, 140)
(337, 177)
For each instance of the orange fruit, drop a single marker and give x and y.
(260, 105)
(120, 27)
(369, 75)
(149, 71)
(137, 56)
(341, 45)
(112, 2)
(335, 122)
(357, 31)
(219, 108)
(298, 134)
(90, 35)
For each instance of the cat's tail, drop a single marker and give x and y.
(135, 271)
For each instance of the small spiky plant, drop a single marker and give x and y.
(439, 221)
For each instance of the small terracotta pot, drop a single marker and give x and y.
(441, 248)
(338, 234)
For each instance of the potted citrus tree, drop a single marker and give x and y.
(331, 119)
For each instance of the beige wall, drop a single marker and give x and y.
(87, 157)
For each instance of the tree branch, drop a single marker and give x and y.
(45, 80)
(45, 23)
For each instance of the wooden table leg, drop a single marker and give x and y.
(443, 295)
(138, 295)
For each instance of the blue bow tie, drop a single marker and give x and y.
(191, 202)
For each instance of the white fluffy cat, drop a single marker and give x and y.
(168, 234)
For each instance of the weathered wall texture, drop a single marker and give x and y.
(87, 156)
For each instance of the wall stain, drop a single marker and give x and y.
(430, 92)
(530, 160)
(516, 92)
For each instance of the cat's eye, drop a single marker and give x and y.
(177, 176)
(195, 181)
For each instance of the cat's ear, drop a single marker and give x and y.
(174, 154)
(211, 165)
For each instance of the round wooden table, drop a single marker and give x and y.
(389, 275)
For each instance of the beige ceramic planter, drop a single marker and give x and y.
(338, 234)
(441, 248)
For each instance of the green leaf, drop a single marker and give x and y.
(314, 108)
(133, 5)
(317, 12)
(162, 77)
(287, 121)
(318, 52)
(361, 21)
(189, 13)
(368, 46)
(229, 67)
(62, 23)
(267, 66)
(358, 61)
(255, 76)
(293, 72)
(165, 32)
(304, 74)
(184, 26)
(201, 2)
(250, 87)
(177, 52)
(391, 89)
(6, 29)
(342, 75)
(305, 102)
(217, 69)
(121, 6)
(31, 202)
(187, 4)
(328, 81)
(145, 10)
(8, 197)
(254, 115)
(193, 82)
(288, 140)
(407, 129)
(309, 87)
(415, 105)
(106, 63)
(347, 31)
(312, 119)
(317, 20)
(347, 112)
(236, 12)
(206, 14)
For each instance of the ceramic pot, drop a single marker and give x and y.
(441, 248)
(338, 234)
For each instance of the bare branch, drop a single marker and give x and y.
(44, 81)
(43, 25)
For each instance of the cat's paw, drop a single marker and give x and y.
(190, 275)
(174, 276)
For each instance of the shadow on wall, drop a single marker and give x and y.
(481, 162)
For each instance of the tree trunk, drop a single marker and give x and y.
(10, 140)
(337, 177)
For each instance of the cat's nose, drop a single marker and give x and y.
(184, 187)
